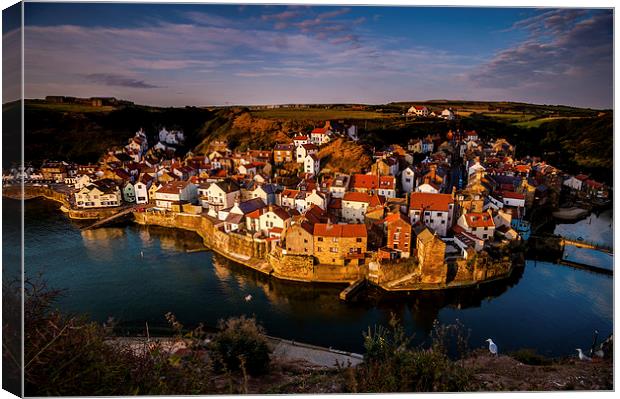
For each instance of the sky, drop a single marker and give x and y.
(193, 54)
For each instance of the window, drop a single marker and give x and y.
(395, 246)
(408, 180)
(358, 240)
(439, 214)
(305, 241)
(320, 239)
(427, 213)
(333, 249)
(335, 239)
(443, 222)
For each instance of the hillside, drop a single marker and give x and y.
(574, 139)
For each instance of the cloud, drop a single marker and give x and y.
(110, 79)
(568, 53)
(282, 16)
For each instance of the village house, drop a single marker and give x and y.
(418, 110)
(340, 244)
(270, 221)
(99, 194)
(82, 181)
(300, 140)
(398, 234)
(141, 189)
(304, 150)
(235, 216)
(355, 205)
(430, 251)
(312, 164)
(575, 183)
(339, 185)
(320, 136)
(479, 224)
(175, 193)
(428, 187)
(447, 114)
(385, 167)
(219, 195)
(298, 237)
(387, 186)
(266, 192)
(129, 193)
(283, 153)
(436, 211)
(407, 179)
(414, 146)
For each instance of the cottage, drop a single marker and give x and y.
(298, 238)
(312, 164)
(430, 251)
(283, 153)
(129, 193)
(436, 211)
(418, 110)
(99, 194)
(304, 150)
(300, 140)
(175, 193)
(355, 205)
(340, 244)
(219, 195)
(407, 179)
(479, 224)
(398, 234)
(339, 185)
(447, 114)
(320, 136)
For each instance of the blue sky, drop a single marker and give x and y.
(228, 54)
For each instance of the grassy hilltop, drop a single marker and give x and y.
(575, 139)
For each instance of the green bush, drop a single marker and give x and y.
(531, 357)
(391, 364)
(241, 344)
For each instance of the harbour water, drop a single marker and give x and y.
(136, 274)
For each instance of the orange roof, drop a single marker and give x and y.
(387, 182)
(430, 201)
(357, 197)
(479, 219)
(300, 138)
(340, 230)
(368, 182)
(319, 130)
(288, 193)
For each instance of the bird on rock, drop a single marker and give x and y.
(492, 347)
(248, 298)
(582, 356)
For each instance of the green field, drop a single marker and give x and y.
(538, 122)
(69, 107)
(512, 117)
(320, 114)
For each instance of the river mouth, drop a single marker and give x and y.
(136, 274)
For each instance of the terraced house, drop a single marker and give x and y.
(340, 244)
(99, 194)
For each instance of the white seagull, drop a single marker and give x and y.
(248, 297)
(582, 356)
(492, 347)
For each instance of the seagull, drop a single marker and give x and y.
(248, 297)
(492, 347)
(142, 254)
(582, 356)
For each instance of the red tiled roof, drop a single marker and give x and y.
(581, 177)
(357, 197)
(512, 194)
(430, 201)
(340, 230)
(319, 130)
(369, 182)
(300, 138)
(479, 219)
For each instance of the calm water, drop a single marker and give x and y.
(544, 306)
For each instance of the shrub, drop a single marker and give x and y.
(241, 343)
(392, 365)
(531, 357)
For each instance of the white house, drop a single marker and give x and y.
(387, 186)
(300, 140)
(355, 205)
(436, 211)
(447, 114)
(480, 224)
(312, 164)
(418, 110)
(339, 186)
(474, 168)
(82, 181)
(407, 179)
(511, 198)
(428, 188)
(98, 195)
(575, 182)
(142, 191)
(304, 150)
(320, 136)
(174, 193)
(218, 195)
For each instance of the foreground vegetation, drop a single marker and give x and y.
(69, 355)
